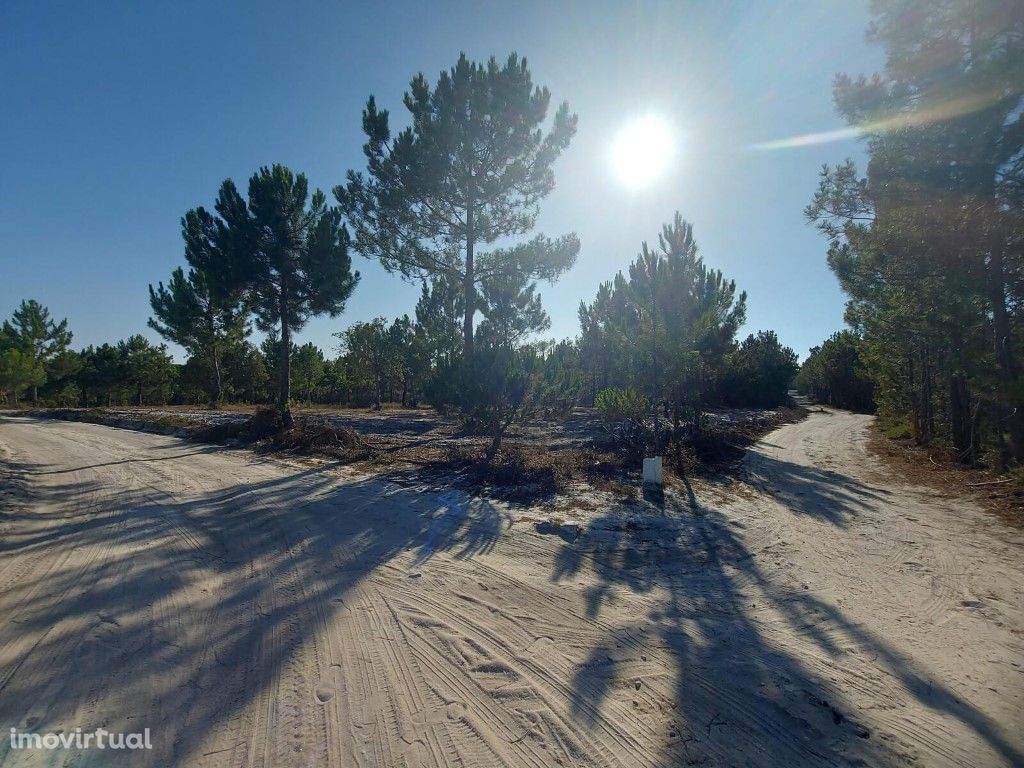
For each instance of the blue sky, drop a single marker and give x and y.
(119, 116)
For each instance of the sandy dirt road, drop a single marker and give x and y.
(260, 613)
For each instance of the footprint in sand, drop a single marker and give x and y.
(324, 693)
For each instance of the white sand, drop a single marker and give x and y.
(261, 613)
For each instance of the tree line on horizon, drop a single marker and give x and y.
(402, 362)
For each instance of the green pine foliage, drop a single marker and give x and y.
(38, 338)
(500, 385)
(144, 369)
(18, 371)
(285, 249)
(470, 170)
(308, 367)
(835, 374)
(926, 243)
(192, 312)
(665, 330)
(370, 359)
(625, 413)
(758, 372)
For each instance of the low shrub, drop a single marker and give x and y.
(617, 404)
(307, 436)
(220, 433)
(266, 422)
(623, 412)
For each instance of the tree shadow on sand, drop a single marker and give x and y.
(822, 493)
(739, 698)
(186, 609)
(182, 613)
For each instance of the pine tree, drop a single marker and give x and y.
(937, 220)
(34, 334)
(471, 169)
(666, 328)
(18, 370)
(307, 370)
(758, 372)
(499, 385)
(144, 368)
(512, 309)
(101, 375)
(290, 252)
(439, 318)
(62, 377)
(412, 356)
(203, 319)
(369, 355)
(834, 373)
(246, 370)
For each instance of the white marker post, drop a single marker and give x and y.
(652, 471)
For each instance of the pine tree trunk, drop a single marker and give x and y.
(215, 392)
(469, 288)
(284, 393)
(927, 409)
(495, 445)
(915, 408)
(1013, 412)
(211, 329)
(676, 419)
(961, 424)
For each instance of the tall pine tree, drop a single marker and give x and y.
(36, 336)
(289, 249)
(937, 221)
(471, 169)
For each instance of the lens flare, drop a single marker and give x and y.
(926, 114)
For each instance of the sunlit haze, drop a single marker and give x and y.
(642, 151)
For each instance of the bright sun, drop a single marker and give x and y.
(642, 151)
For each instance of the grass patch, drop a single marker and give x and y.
(896, 429)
